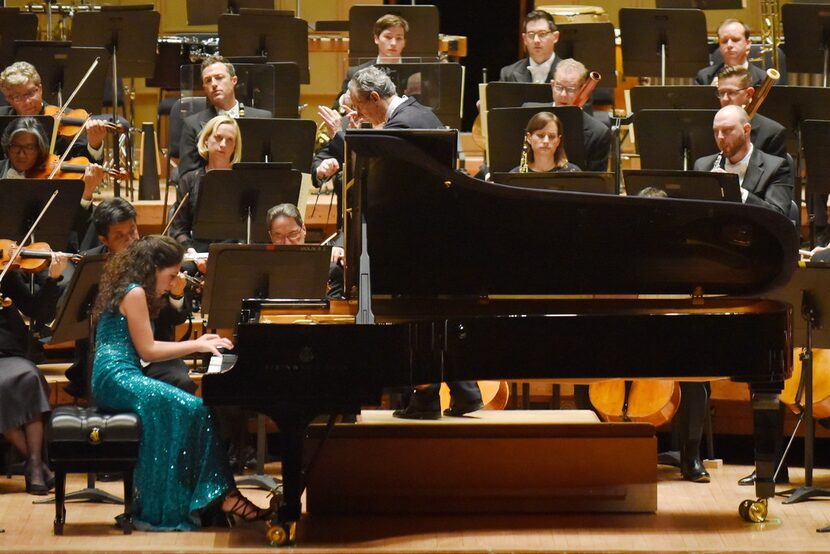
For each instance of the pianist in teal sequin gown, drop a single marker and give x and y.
(182, 467)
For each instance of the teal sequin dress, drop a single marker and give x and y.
(181, 465)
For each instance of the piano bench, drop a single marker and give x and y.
(86, 440)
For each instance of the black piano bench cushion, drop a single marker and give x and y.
(77, 433)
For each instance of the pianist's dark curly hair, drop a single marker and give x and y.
(137, 264)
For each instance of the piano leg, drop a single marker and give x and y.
(765, 414)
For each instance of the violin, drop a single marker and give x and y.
(645, 400)
(70, 122)
(30, 259)
(73, 168)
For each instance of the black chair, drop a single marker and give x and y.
(83, 440)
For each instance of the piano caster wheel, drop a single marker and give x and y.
(754, 511)
(276, 497)
(281, 534)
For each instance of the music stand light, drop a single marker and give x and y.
(667, 43)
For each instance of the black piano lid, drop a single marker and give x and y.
(433, 231)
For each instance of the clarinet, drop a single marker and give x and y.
(718, 161)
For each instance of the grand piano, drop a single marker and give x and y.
(456, 278)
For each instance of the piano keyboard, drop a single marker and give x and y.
(218, 364)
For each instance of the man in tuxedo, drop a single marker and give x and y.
(21, 85)
(733, 43)
(569, 77)
(765, 179)
(539, 36)
(735, 89)
(376, 102)
(218, 81)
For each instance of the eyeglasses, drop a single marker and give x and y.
(567, 90)
(729, 93)
(290, 237)
(23, 97)
(18, 149)
(541, 35)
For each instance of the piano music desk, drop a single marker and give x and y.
(492, 461)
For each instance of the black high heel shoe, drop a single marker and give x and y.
(36, 489)
(245, 510)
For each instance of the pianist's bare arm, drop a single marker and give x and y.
(134, 308)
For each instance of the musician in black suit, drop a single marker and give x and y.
(539, 36)
(390, 37)
(733, 43)
(765, 179)
(735, 88)
(377, 103)
(218, 81)
(21, 85)
(115, 224)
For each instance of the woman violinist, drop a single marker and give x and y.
(23, 391)
(21, 85)
(26, 148)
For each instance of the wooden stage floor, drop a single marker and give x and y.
(691, 518)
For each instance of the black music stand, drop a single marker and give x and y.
(278, 140)
(61, 67)
(691, 185)
(673, 139)
(702, 4)
(130, 34)
(74, 323)
(286, 89)
(232, 204)
(668, 43)
(503, 94)
(421, 40)
(46, 121)
(815, 136)
(14, 25)
(691, 97)
(593, 45)
(255, 85)
(439, 86)
(506, 128)
(807, 288)
(23, 200)
(236, 272)
(583, 181)
(807, 28)
(207, 12)
(266, 33)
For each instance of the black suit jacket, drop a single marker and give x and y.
(706, 75)
(518, 72)
(769, 135)
(767, 179)
(39, 307)
(61, 143)
(189, 158)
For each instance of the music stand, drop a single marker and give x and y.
(668, 43)
(692, 185)
(266, 33)
(232, 204)
(593, 45)
(14, 25)
(46, 121)
(278, 140)
(130, 34)
(673, 139)
(255, 85)
(815, 136)
(439, 86)
(691, 97)
(61, 67)
(503, 94)
(506, 128)
(702, 4)
(74, 323)
(23, 200)
(421, 40)
(207, 12)
(807, 28)
(587, 181)
(807, 289)
(286, 89)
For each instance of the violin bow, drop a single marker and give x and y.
(29, 233)
(62, 108)
(172, 217)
